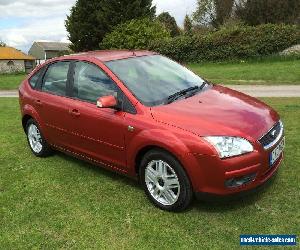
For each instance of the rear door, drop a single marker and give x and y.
(53, 103)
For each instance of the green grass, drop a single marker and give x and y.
(61, 202)
(262, 72)
(11, 81)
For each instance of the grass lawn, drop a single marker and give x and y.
(61, 202)
(262, 72)
(11, 81)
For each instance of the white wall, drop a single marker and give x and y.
(18, 66)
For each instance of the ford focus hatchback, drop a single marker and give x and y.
(146, 116)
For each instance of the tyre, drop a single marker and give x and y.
(36, 141)
(165, 182)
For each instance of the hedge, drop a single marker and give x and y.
(135, 34)
(238, 42)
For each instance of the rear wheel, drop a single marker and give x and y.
(36, 141)
(165, 181)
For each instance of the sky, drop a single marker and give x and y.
(25, 21)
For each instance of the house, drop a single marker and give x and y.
(43, 51)
(13, 60)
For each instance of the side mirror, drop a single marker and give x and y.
(107, 102)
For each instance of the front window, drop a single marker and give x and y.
(153, 79)
(91, 83)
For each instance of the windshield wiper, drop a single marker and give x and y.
(198, 90)
(181, 93)
(203, 84)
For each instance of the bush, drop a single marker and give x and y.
(180, 48)
(135, 34)
(230, 43)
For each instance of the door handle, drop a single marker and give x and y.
(74, 112)
(38, 102)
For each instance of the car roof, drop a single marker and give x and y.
(111, 55)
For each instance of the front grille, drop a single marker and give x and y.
(274, 134)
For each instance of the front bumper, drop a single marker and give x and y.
(233, 196)
(210, 174)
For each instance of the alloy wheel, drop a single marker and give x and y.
(34, 138)
(162, 182)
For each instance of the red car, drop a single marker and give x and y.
(143, 115)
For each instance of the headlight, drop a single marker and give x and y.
(229, 146)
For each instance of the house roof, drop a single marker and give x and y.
(54, 46)
(9, 53)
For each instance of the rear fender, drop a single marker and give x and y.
(30, 110)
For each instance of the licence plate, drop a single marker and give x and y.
(275, 154)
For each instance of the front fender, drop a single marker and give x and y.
(170, 142)
(186, 147)
(156, 138)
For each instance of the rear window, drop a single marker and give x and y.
(35, 78)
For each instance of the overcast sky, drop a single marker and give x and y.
(25, 21)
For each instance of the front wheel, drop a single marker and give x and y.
(165, 181)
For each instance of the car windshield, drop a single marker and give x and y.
(154, 79)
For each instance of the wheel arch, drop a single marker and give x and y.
(25, 119)
(154, 139)
(143, 151)
(169, 143)
(29, 112)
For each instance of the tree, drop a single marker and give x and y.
(2, 44)
(85, 31)
(90, 20)
(135, 34)
(213, 12)
(187, 25)
(169, 22)
(255, 12)
(115, 12)
(224, 10)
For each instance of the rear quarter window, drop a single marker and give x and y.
(35, 78)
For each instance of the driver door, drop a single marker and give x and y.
(98, 133)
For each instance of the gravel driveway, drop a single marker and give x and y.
(268, 91)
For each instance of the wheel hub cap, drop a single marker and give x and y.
(34, 138)
(162, 182)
